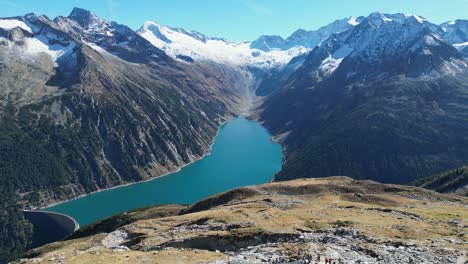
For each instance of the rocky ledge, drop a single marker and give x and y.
(330, 220)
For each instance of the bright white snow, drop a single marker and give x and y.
(215, 49)
(330, 64)
(386, 19)
(40, 45)
(13, 23)
(418, 18)
(431, 40)
(352, 21)
(460, 46)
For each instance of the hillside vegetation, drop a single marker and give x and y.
(335, 218)
(455, 181)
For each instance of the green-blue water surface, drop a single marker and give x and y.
(242, 155)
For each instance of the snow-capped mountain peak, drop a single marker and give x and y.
(84, 17)
(190, 45)
(8, 24)
(32, 36)
(89, 22)
(378, 19)
(418, 18)
(455, 32)
(310, 39)
(386, 43)
(353, 21)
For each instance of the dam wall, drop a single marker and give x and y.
(50, 227)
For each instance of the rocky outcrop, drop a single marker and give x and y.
(305, 221)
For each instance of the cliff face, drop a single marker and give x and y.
(332, 218)
(99, 113)
(384, 100)
(87, 104)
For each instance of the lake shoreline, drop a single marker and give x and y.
(44, 208)
(242, 154)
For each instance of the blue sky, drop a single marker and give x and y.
(238, 20)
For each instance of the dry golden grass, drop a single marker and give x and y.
(383, 212)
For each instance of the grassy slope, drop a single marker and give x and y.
(287, 209)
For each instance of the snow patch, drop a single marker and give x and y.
(95, 47)
(352, 21)
(103, 51)
(460, 46)
(386, 19)
(418, 18)
(430, 40)
(40, 45)
(329, 65)
(427, 52)
(14, 23)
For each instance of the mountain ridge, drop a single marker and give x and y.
(356, 86)
(102, 105)
(117, 109)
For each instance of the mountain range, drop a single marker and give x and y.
(87, 104)
(390, 80)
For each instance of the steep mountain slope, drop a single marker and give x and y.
(456, 33)
(271, 79)
(385, 100)
(88, 104)
(120, 79)
(453, 181)
(304, 221)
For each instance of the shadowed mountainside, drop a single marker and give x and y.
(453, 181)
(385, 100)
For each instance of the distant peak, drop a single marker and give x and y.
(150, 24)
(354, 21)
(418, 18)
(30, 15)
(82, 16)
(379, 16)
(275, 37)
(300, 31)
(80, 12)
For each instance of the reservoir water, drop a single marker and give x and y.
(242, 155)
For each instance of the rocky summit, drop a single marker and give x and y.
(329, 220)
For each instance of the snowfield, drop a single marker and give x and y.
(199, 47)
(14, 23)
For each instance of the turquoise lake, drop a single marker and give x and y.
(243, 154)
